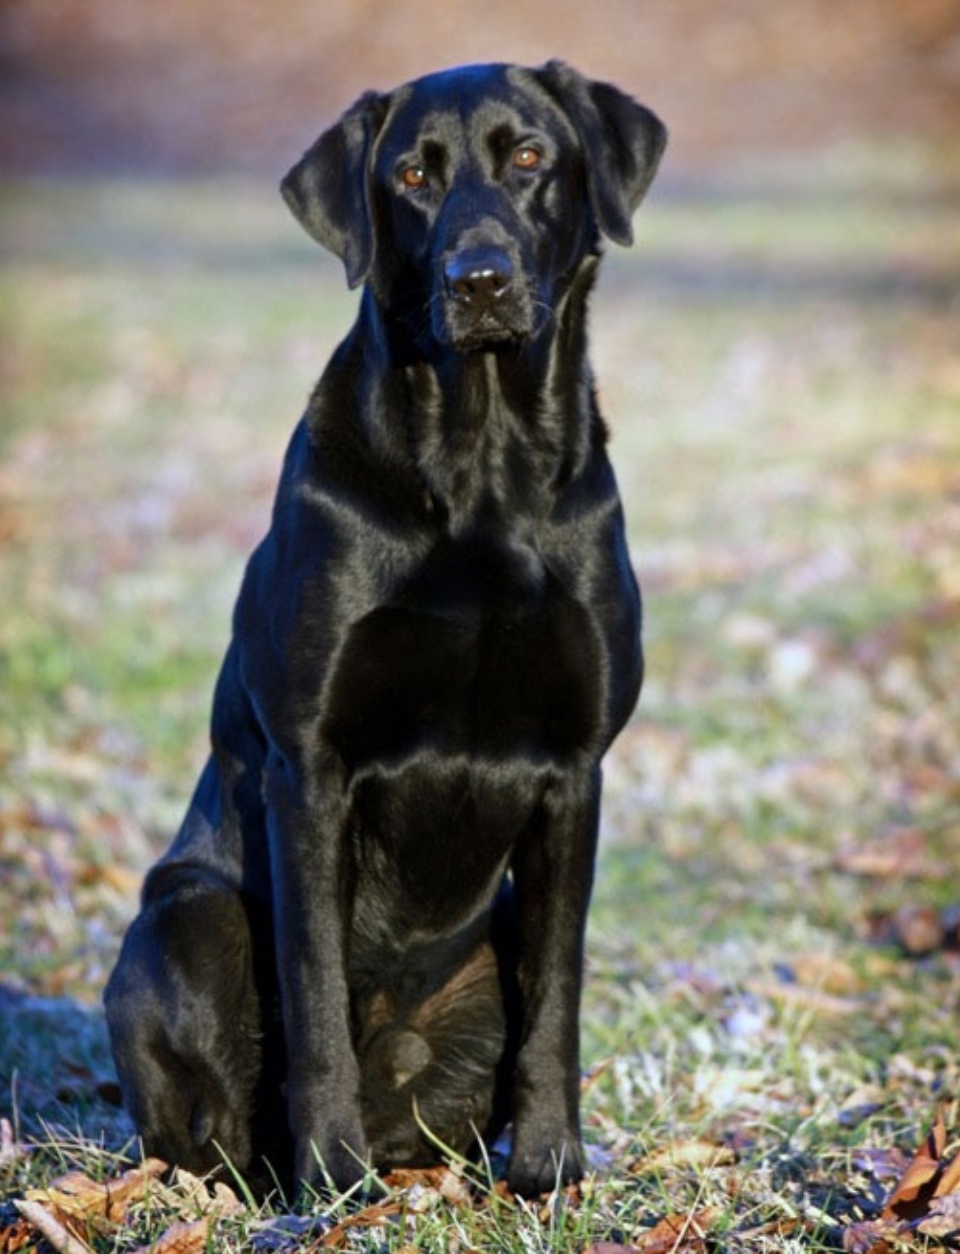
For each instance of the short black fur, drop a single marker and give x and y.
(372, 919)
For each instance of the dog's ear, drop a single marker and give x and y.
(327, 191)
(622, 141)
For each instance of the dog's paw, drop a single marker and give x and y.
(543, 1164)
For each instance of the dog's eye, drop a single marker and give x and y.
(526, 158)
(414, 177)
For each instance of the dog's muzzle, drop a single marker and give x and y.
(483, 303)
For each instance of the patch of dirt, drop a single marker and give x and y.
(203, 85)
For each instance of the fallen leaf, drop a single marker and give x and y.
(917, 929)
(180, 1238)
(693, 1153)
(873, 1236)
(196, 1190)
(787, 1226)
(926, 1199)
(881, 1164)
(911, 1198)
(681, 1234)
(921, 474)
(944, 1217)
(826, 973)
(949, 1182)
(51, 1228)
(76, 1196)
(16, 1236)
(123, 880)
(370, 1217)
(450, 1186)
(806, 998)
(901, 854)
(132, 1186)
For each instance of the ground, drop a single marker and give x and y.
(774, 963)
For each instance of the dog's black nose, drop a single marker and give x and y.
(478, 275)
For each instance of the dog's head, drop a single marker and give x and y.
(468, 198)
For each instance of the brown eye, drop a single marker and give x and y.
(414, 177)
(526, 158)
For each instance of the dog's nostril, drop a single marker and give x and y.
(478, 275)
(481, 284)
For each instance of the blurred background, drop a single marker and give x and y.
(192, 85)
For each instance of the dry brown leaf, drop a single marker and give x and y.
(370, 1217)
(132, 1186)
(17, 1236)
(454, 1189)
(783, 1227)
(693, 1153)
(52, 1228)
(681, 1234)
(806, 998)
(180, 1238)
(921, 474)
(917, 929)
(73, 1203)
(926, 1199)
(196, 1190)
(949, 1182)
(442, 1180)
(918, 1184)
(825, 972)
(899, 855)
(76, 1196)
(123, 880)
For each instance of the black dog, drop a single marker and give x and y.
(369, 931)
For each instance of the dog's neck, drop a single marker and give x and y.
(488, 430)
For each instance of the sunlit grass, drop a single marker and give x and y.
(779, 365)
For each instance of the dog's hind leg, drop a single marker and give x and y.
(184, 1014)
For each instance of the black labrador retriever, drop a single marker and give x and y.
(366, 941)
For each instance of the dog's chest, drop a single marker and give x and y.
(480, 653)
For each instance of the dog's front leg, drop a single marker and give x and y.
(553, 870)
(311, 893)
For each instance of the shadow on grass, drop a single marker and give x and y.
(56, 1072)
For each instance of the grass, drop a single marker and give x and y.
(778, 360)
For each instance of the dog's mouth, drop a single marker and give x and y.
(486, 332)
(508, 322)
(483, 299)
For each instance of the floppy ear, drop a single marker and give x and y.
(327, 190)
(622, 140)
